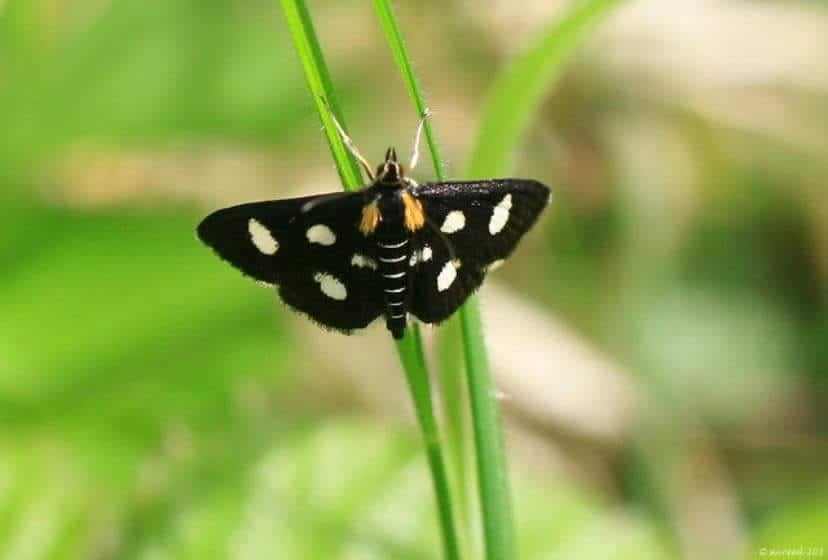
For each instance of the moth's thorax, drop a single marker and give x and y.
(390, 205)
(399, 211)
(383, 211)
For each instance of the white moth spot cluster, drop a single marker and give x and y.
(321, 234)
(500, 215)
(261, 237)
(330, 286)
(455, 221)
(361, 261)
(423, 255)
(446, 277)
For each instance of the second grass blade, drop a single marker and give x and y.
(493, 486)
(410, 347)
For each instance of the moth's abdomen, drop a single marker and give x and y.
(394, 254)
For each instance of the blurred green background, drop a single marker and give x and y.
(660, 339)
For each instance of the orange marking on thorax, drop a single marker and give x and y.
(371, 217)
(414, 218)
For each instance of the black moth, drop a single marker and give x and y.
(396, 247)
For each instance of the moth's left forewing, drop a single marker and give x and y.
(470, 226)
(311, 248)
(251, 237)
(263, 238)
(483, 220)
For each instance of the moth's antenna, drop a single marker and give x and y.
(415, 155)
(348, 142)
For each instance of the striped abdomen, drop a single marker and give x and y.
(394, 253)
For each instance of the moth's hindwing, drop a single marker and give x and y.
(441, 281)
(470, 226)
(309, 247)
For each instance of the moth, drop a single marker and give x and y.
(393, 249)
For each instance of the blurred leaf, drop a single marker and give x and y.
(517, 93)
(91, 277)
(178, 66)
(512, 100)
(46, 506)
(125, 323)
(143, 70)
(684, 339)
(316, 496)
(800, 526)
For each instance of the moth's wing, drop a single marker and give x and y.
(495, 214)
(472, 225)
(281, 237)
(311, 248)
(438, 285)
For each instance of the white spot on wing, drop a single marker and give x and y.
(494, 265)
(446, 277)
(330, 286)
(261, 237)
(500, 215)
(362, 261)
(321, 234)
(420, 256)
(455, 221)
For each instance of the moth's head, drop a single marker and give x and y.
(390, 171)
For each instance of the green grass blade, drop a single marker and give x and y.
(514, 98)
(518, 92)
(321, 88)
(450, 373)
(492, 469)
(410, 347)
(498, 526)
(412, 357)
(395, 40)
(458, 445)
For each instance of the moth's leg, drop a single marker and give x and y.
(350, 143)
(415, 155)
